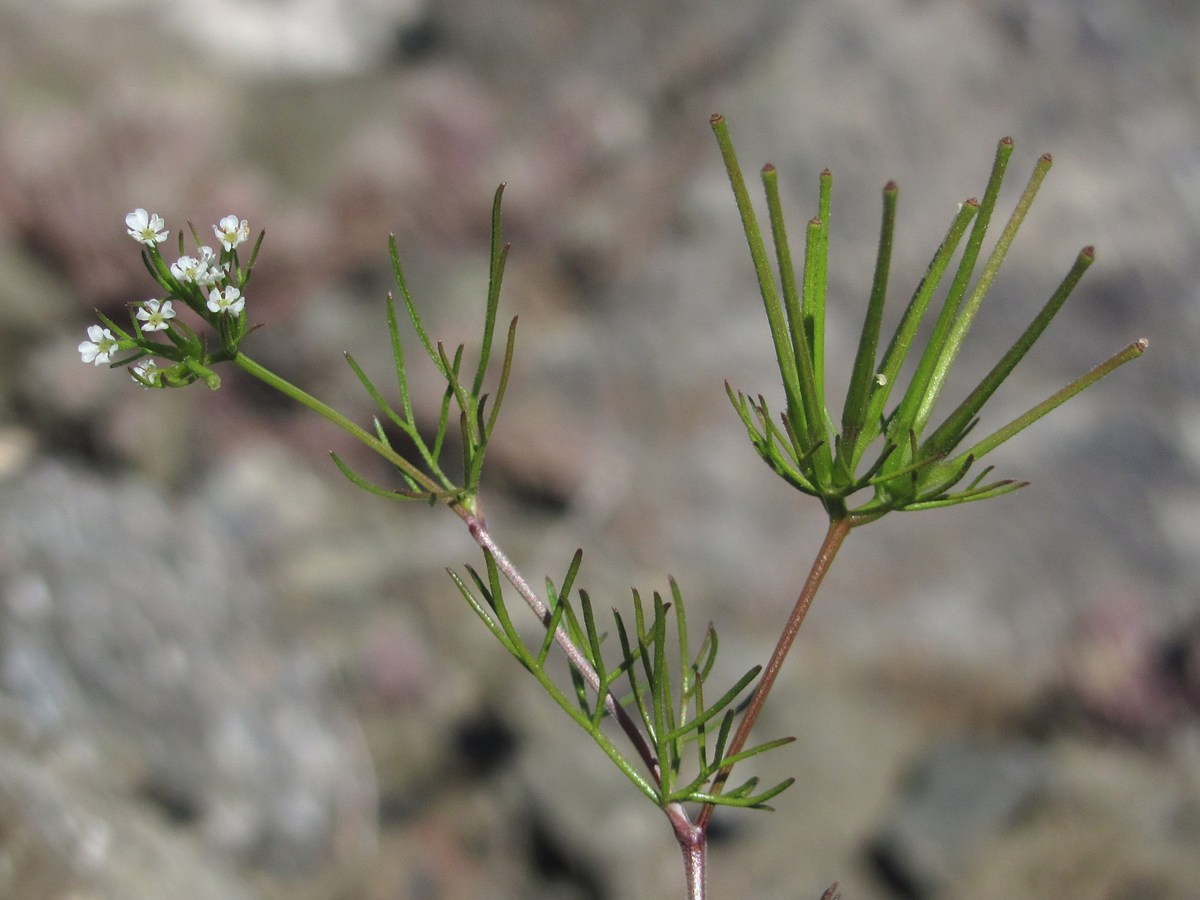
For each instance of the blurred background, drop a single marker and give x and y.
(225, 672)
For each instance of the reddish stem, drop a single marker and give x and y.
(838, 529)
(479, 531)
(693, 844)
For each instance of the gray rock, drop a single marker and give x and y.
(960, 795)
(137, 630)
(68, 833)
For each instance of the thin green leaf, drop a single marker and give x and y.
(562, 596)
(660, 686)
(398, 359)
(729, 761)
(758, 801)
(571, 621)
(359, 481)
(506, 635)
(966, 315)
(923, 388)
(726, 698)
(902, 339)
(986, 492)
(854, 412)
(482, 612)
(722, 739)
(568, 581)
(775, 449)
(505, 371)
(159, 271)
(594, 638)
(411, 308)
(635, 686)
(375, 395)
(113, 327)
(552, 626)
(936, 480)
(687, 683)
(499, 253)
(707, 652)
(443, 425)
(990, 382)
(581, 694)
(254, 256)
(812, 365)
(641, 636)
(797, 335)
(816, 266)
(1019, 424)
(762, 266)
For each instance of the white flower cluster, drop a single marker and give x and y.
(208, 270)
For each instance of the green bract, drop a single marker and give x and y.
(890, 451)
(655, 691)
(426, 478)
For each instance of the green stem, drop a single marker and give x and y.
(357, 432)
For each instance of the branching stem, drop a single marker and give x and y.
(692, 838)
(479, 531)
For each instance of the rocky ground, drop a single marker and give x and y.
(224, 672)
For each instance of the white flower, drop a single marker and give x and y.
(187, 268)
(147, 369)
(155, 314)
(205, 271)
(230, 232)
(101, 346)
(230, 301)
(146, 228)
(209, 270)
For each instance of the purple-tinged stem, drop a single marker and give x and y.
(693, 843)
(479, 531)
(838, 529)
